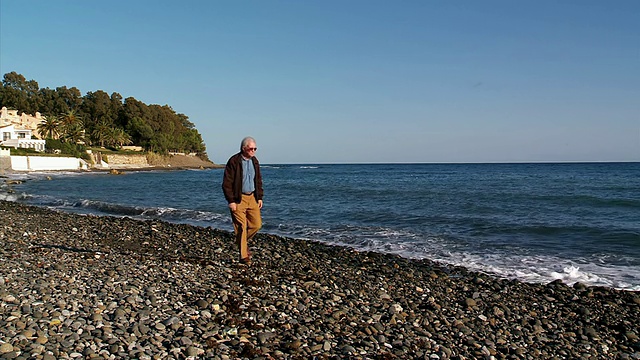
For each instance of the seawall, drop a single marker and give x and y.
(113, 161)
(118, 161)
(43, 163)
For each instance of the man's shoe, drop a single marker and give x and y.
(246, 261)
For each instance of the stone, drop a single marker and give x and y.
(202, 304)
(193, 351)
(395, 309)
(6, 348)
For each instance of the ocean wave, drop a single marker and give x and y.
(5, 196)
(174, 215)
(522, 267)
(545, 269)
(184, 215)
(188, 216)
(109, 208)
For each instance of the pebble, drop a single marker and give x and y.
(90, 287)
(6, 348)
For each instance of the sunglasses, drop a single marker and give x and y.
(251, 149)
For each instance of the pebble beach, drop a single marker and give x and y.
(91, 287)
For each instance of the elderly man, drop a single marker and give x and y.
(242, 187)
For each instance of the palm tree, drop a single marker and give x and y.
(101, 134)
(122, 138)
(117, 137)
(73, 134)
(72, 127)
(70, 118)
(49, 127)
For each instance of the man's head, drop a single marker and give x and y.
(248, 147)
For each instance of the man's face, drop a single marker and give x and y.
(249, 150)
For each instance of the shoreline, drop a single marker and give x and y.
(6, 173)
(125, 163)
(108, 287)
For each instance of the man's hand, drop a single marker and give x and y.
(260, 204)
(233, 206)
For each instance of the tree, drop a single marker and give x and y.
(49, 127)
(97, 106)
(68, 99)
(72, 127)
(71, 118)
(141, 132)
(15, 92)
(50, 102)
(101, 134)
(116, 110)
(120, 137)
(73, 133)
(105, 119)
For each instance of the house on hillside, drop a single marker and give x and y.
(23, 121)
(19, 138)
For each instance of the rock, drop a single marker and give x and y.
(264, 337)
(194, 351)
(348, 350)
(6, 348)
(631, 336)
(579, 286)
(202, 304)
(395, 309)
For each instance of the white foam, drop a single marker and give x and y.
(526, 268)
(8, 197)
(541, 269)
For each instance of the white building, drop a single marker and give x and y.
(22, 121)
(20, 138)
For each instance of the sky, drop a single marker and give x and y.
(355, 81)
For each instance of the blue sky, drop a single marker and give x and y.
(355, 81)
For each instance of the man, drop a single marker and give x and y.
(242, 187)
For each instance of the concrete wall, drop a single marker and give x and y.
(5, 163)
(124, 161)
(43, 163)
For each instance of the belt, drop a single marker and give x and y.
(251, 193)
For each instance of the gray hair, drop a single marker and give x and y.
(245, 141)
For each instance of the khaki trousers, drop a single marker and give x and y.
(246, 223)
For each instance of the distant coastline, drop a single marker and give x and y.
(30, 163)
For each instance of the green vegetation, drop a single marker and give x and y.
(22, 151)
(65, 147)
(63, 153)
(100, 119)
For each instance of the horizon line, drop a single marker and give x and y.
(461, 162)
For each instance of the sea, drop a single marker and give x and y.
(534, 222)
